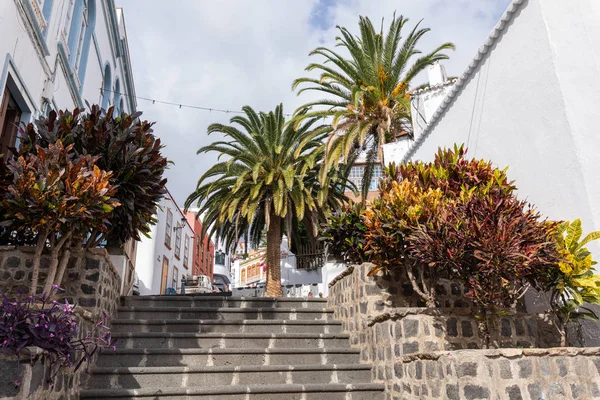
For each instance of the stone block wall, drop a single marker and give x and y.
(506, 374)
(405, 343)
(94, 286)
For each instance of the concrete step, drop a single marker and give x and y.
(358, 391)
(222, 313)
(222, 301)
(226, 326)
(164, 357)
(128, 377)
(131, 340)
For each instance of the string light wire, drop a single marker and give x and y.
(181, 105)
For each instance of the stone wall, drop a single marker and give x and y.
(511, 374)
(94, 286)
(401, 342)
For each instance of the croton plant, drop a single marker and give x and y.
(80, 180)
(459, 218)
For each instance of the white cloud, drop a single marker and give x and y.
(230, 53)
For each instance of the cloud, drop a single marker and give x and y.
(230, 53)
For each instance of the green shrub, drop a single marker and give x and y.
(573, 282)
(345, 234)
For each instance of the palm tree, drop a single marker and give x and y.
(368, 93)
(262, 185)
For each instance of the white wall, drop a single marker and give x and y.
(533, 104)
(424, 103)
(150, 251)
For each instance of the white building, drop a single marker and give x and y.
(296, 281)
(57, 54)
(167, 254)
(530, 100)
(424, 104)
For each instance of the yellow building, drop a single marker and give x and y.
(253, 268)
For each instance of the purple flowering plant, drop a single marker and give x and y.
(51, 326)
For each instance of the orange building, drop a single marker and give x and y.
(204, 249)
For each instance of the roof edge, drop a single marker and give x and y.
(496, 33)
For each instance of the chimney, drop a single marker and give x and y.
(437, 74)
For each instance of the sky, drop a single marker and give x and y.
(225, 54)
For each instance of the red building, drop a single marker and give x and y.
(204, 249)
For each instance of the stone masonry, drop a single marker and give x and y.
(403, 342)
(94, 287)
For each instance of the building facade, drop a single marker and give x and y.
(203, 248)
(58, 54)
(424, 103)
(529, 101)
(168, 254)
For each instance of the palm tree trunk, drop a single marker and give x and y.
(274, 257)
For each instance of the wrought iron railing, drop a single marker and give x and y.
(310, 257)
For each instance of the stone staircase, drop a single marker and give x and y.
(206, 347)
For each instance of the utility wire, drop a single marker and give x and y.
(181, 105)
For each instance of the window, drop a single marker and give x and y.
(10, 115)
(47, 13)
(377, 174)
(168, 228)
(197, 257)
(186, 250)
(220, 258)
(106, 91)
(117, 98)
(244, 275)
(178, 240)
(80, 40)
(81, 20)
(68, 21)
(356, 175)
(175, 277)
(357, 172)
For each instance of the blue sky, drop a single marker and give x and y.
(231, 53)
(320, 16)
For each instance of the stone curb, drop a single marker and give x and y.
(505, 353)
(395, 314)
(342, 275)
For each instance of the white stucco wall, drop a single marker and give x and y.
(150, 251)
(24, 59)
(533, 104)
(424, 104)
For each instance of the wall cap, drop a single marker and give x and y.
(504, 353)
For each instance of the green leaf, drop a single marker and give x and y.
(288, 176)
(589, 237)
(573, 234)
